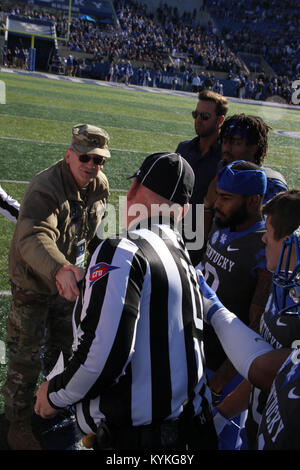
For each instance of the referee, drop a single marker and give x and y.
(9, 207)
(137, 372)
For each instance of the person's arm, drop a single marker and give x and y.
(67, 279)
(42, 406)
(236, 401)
(233, 404)
(241, 344)
(226, 371)
(260, 298)
(106, 321)
(264, 368)
(38, 234)
(9, 207)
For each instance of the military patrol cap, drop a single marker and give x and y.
(90, 139)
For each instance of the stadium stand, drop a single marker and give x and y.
(157, 44)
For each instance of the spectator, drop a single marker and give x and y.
(196, 83)
(70, 65)
(203, 152)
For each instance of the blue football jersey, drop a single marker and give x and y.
(230, 265)
(280, 331)
(280, 423)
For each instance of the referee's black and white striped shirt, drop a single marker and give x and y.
(138, 334)
(9, 207)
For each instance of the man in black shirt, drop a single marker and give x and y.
(203, 153)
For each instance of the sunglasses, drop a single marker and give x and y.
(86, 158)
(202, 116)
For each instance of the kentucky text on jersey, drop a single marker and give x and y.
(220, 260)
(273, 419)
(267, 335)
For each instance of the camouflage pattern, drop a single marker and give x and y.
(90, 139)
(26, 324)
(43, 243)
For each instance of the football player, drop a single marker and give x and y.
(279, 427)
(235, 256)
(280, 326)
(244, 137)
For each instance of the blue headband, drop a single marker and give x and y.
(246, 182)
(236, 129)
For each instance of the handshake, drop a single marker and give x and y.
(67, 279)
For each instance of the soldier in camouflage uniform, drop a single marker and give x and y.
(57, 224)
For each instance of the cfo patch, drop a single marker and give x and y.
(100, 270)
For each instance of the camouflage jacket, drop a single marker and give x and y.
(54, 216)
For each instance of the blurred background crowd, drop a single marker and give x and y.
(249, 49)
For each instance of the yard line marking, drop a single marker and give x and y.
(106, 127)
(66, 145)
(5, 292)
(14, 181)
(112, 190)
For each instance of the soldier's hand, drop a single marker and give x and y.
(67, 278)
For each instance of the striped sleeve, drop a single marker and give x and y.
(109, 303)
(9, 207)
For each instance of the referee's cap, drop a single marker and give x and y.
(169, 175)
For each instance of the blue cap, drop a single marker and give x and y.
(246, 182)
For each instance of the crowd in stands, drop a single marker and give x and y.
(269, 27)
(149, 40)
(146, 37)
(200, 44)
(17, 58)
(26, 11)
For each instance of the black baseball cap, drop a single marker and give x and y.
(169, 175)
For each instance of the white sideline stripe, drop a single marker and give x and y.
(62, 143)
(5, 292)
(113, 190)
(111, 148)
(106, 127)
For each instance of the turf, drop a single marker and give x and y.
(35, 128)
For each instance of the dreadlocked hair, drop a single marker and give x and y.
(255, 129)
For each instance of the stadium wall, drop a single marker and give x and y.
(100, 71)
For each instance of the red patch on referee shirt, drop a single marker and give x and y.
(100, 270)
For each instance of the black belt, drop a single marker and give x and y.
(168, 434)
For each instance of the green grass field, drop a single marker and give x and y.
(35, 128)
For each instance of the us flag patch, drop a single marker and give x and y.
(100, 270)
